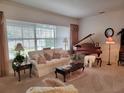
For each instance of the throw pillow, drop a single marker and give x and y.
(34, 56)
(57, 50)
(64, 53)
(52, 82)
(56, 55)
(49, 52)
(47, 56)
(46, 48)
(41, 59)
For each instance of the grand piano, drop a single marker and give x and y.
(87, 48)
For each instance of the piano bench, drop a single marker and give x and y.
(99, 61)
(89, 60)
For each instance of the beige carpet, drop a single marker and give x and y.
(107, 79)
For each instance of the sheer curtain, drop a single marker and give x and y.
(3, 47)
(62, 32)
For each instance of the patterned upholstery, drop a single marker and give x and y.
(53, 82)
(50, 65)
(65, 89)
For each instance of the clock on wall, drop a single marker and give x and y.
(109, 32)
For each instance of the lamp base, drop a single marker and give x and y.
(108, 64)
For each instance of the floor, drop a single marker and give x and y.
(107, 79)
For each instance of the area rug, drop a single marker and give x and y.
(76, 75)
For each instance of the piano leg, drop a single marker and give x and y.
(98, 54)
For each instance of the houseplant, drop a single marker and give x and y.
(19, 58)
(77, 58)
(17, 61)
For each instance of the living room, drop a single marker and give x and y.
(56, 18)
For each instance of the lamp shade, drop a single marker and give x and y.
(110, 41)
(19, 47)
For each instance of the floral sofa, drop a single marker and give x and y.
(45, 61)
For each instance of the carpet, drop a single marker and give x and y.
(105, 79)
(75, 75)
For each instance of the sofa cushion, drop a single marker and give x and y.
(48, 51)
(41, 59)
(34, 57)
(32, 53)
(65, 89)
(48, 54)
(56, 55)
(48, 57)
(57, 50)
(64, 53)
(53, 82)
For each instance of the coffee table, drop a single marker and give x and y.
(65, 70)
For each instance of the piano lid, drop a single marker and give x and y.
(82, 40)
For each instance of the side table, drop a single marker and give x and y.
(22, 67)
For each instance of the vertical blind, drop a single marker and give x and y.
(34, 36)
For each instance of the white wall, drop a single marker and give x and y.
(24, 13)
(98, 24)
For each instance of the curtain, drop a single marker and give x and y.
(4, 60)
(74, 29)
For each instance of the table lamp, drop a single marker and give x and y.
(19, 47)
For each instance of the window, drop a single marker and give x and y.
(62, 32)
(45, 36)
(35, 36)
(20, 33)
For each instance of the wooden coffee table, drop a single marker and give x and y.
(68, 69)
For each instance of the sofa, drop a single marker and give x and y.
(62, 89)
(45, 61)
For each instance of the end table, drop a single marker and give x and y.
(22, 67)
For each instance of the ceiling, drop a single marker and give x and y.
(74, 8)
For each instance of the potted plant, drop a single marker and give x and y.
(77, 58)
(18, 60)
